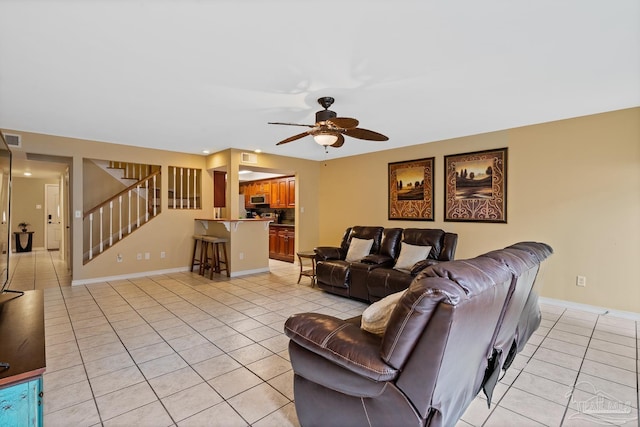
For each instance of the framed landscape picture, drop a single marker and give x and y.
(411, 190)
(476, 186)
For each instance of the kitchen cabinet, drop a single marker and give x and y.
(291, 192)
(219, 189)
(282, 243)
(283, 192)
(254, 188)
(22, 338)
(278, 193)
(262, 187)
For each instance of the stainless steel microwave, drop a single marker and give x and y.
(259, 199)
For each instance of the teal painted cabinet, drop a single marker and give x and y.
(21, 404)
(22, 350)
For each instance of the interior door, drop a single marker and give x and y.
(53, 216)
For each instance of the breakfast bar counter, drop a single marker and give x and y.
(248, 239)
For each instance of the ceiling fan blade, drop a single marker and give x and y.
(344, 122)
(339, 142)
(365, 134)
(293, 138)
(290, 124)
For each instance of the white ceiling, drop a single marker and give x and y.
(195, 75)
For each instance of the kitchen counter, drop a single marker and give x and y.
(247, 245)
(282, 225)
(235, 220)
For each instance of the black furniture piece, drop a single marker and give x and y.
(24, 240)
(373, 277)
(446, 339)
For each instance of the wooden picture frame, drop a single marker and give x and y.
(410, 188)
(476, 186)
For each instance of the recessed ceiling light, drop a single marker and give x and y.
(206, 151)
(243, 172)
(257, 151)
(27, 174)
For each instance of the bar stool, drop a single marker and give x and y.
(197, 260)
(211, 255)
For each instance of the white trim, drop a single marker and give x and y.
(245, 272)
(128, 276)
(591, 308)
(156, 273)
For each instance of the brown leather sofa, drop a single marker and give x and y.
(373, 277)
(438, 351)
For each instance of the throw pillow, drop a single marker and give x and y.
(358, 249)
(409, 255)
(376, 316)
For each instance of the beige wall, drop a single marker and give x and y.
(307, 175)
(170, 232)
(27, 194)
(102, 184)
(574, 184)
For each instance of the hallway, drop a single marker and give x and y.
(38, 269)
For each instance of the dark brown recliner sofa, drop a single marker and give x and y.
(333, 270)
(435, 354)
(385, 281)
(374, 277)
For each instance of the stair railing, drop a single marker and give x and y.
(140, 203)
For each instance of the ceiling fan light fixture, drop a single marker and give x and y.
(325, 139)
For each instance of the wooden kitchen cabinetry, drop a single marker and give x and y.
(291, 192)
(254, 188)
(219, 189)
(282, 242)
(283, 192)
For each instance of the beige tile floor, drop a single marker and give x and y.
(179, 349)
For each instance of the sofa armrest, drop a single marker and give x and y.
(324, 253)
(378, 260)
(340, 342)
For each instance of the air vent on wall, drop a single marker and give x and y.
(249, 158)
(12, 140)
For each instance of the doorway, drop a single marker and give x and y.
(53, 217)
(55, 214)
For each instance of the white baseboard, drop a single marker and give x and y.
(127, 276)
(245, 272)
(155, 273)
(591, 308)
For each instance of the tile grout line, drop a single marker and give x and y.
(176, 352)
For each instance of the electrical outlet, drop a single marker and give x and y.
(119, 258)
(139, 257)
(241, 255)
(147, 255)
(581, 281)
(163, 254)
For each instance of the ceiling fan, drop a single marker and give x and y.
(329, 128)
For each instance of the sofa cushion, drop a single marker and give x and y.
(366, 233)
(376, 316)
(385, 281)
(358, 249)
(409, 255)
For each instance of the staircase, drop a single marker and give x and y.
(120, 215)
